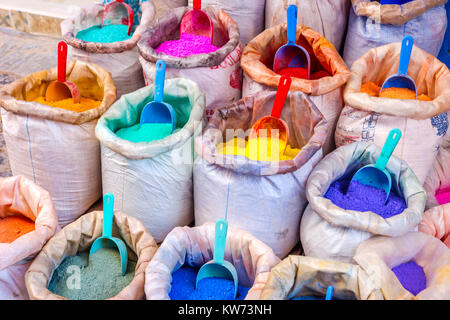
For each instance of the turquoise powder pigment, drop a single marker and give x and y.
(183, 287)
(107, 34)
(146, 132)
(100, 277)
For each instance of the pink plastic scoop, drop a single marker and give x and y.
(118, 12)
(197, 22)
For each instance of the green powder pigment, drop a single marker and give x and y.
(107, 34)
(146, 132)
(97, 278)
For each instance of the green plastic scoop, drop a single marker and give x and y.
(377, 175)
(107, 240)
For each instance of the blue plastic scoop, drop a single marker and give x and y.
(159, 111)
(291, 55)
(377, 175)
(329, 294)
(401, 79)
(107, 240)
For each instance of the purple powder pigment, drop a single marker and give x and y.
(188, 44)
(411, 276)
(364, 198)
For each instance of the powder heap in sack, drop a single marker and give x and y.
(183, 287)
(146, 132)
(260, 149)
(83, 105)
(411, 276)
(443, 196)
(372, 89)
(188, 44)
(302, 73)
(100, 276)
(107, 34)
(364, 198)
(13, 227)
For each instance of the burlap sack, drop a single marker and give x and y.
(153, 180)
(57, 148)
(217, 73)
(379, 255)
(119, 58)
(248, 15)
(79, 236)
(21, 196)
(266, 198)
(328, 17)
(298, 276)
(436, 222)
(325, 93)
(423, 123)
(372, 25)
(252, 259)
(329, 232)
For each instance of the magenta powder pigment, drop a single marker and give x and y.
(364, 198)
(411, 276)
(188, 44)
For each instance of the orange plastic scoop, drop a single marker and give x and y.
(61, 89)
(197, 22)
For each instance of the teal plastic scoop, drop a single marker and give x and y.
(107, 240)
(377, 175)
(219, 268)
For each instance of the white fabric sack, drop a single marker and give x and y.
(252, 259)
(329, 232)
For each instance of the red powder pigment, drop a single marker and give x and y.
(302, 73)
(188, 44)
(14, 227)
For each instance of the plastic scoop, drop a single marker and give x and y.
(118, 12)
(107, 240)
(219, 268)
(329, 294)
(61, 89)
(377, 175)
(291, 55)
(197, 22)
(273, 122)
(158, 111)
(401, 79)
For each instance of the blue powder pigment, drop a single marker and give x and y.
(411, 276)
(364, 198)
(309, 298)
(107, 34)
(183, 287)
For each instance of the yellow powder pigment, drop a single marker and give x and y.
(259, 149)
(372, 89)
(83, 105)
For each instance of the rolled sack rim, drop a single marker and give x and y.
(148, 15)
(212, 59)
(368, 221)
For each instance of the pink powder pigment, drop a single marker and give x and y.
(443, 196)
(188, 44)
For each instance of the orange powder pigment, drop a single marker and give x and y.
(84, 104)
(372, 89)
(13, 227)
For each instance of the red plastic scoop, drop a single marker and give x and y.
(268, 124)
(197, 22)
(118, 12)
(61, 89)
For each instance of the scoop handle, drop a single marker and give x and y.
(405, 55)
(62, 61)
(220, 240)
(388, 148)
(160, 74)
(197, 4)
(292, 23)
(108, 209)
(280, 98)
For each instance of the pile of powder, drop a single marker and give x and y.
(83, 105)
(411, 276)
(13, 227)
(146, 132)
(302, 73)
(183, 287)
(372, 89)
(107, 34)
(363, 198)
(260, 149)
(188, 44)
(100, 276)
(443, 196)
